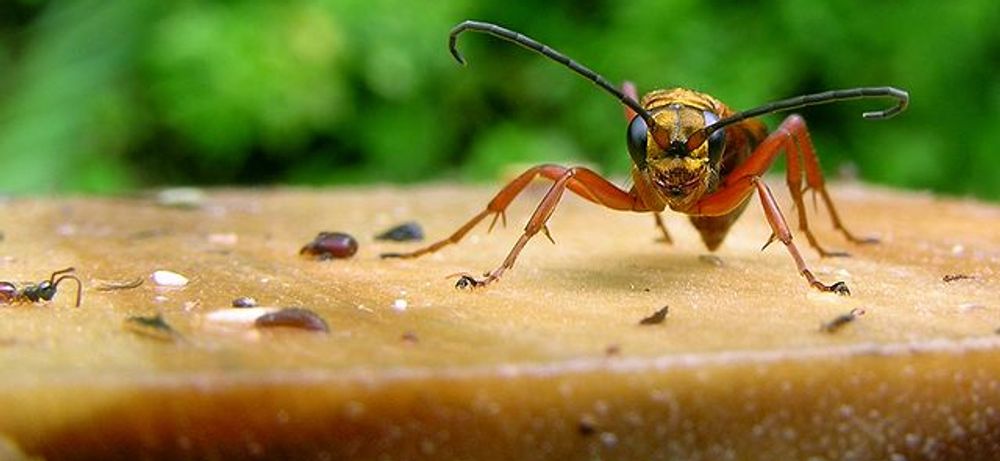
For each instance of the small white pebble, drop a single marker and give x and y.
(399, 305)
(969, 307)
(957, 249)
(224, 239)
(610, 440)
(241, 315)
(169, 279)
(66, 230)
(181, 197)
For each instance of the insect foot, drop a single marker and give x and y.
(840, 288)
(468, 282)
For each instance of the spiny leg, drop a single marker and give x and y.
(814, 176)
(496, 207)
(799, 147)
(781, 232)
(583, 182)
(736, 188)
(785, 137)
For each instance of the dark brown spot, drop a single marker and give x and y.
(838, 322)
(953, 277)
(656, 318)
(410, 337)
(294, 317)
(152, 326)
(330, 245)
(587, 425)
(406, 232)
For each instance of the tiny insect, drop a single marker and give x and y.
(41, 291)
(690, 153)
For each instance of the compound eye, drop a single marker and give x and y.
(636, 140)
(717, 140)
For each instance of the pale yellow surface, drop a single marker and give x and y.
(521, 370)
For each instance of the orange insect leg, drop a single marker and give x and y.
(584, 182)
(739, 184)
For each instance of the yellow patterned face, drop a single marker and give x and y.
(680, 176)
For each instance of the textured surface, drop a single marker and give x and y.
(548, 364)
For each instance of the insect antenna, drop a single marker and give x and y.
(659, 135)
(52, 278)
(79, 285)
(826, 97)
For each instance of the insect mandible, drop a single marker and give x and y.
(691, 153)
(41, 291)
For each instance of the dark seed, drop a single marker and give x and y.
(656, 317)
(244, 301)
(406, 232)
(293, 317)
(330, 245)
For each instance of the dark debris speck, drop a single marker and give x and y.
(406, 232)
(244, 301)
(954, 277)
(656, 317)
(840, 321)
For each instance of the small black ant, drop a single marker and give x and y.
(43, 291)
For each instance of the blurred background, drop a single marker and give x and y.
(108, 96)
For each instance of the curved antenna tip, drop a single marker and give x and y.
(458, 56)
(901, 96)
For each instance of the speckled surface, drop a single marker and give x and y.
(548, 364)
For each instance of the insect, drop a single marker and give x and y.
(691, 153)
(42, 291)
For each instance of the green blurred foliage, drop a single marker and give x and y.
(110, 95)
